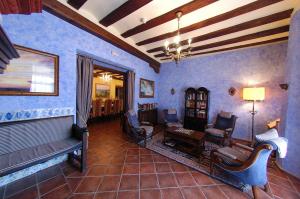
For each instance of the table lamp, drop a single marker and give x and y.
(253, 94)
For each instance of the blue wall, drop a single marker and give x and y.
(291, 112)
(48, 33)
(263, 66)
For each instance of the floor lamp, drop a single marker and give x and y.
(253, 94)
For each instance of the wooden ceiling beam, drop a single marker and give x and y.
(217, 19)
(124, 10)
(20, 6)
(243, 26)
(69, 15)
(256, 35)
(76, 3)
(238, 47)
(185, 9)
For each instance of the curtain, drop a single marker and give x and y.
(130, 90)
(84, 89)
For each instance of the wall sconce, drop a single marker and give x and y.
(172, 91)
(284, 86)
(231, 91)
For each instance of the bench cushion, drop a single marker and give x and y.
(15, 136)
(34, 154)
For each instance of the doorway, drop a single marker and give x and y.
(108, 94)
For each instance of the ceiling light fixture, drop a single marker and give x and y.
(178, 51)
(106, 77)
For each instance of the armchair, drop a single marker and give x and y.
(171, 119)
(140, 131)
(249, 168)
(221, 131)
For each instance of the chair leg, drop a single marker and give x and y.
(255, 192)
(268, 189)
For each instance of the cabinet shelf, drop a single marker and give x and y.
(196, 108)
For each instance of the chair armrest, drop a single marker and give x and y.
(228, 129)
(140, 131)
(242, 146)
(209, 125)
(146, 123)
(79, 133)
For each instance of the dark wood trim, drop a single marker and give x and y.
(243, 26)
(146, 96)
(124, 10)
(238, 47)
(7, 50)
(256, 35)
(185, 9)
(76, 3)
(58, 9)
(219, 18)
(20, 6)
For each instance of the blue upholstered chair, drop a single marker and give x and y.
(139, 131)
(171, 119)
(221, 131)
(250, 169)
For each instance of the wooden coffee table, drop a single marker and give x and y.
(194, 141)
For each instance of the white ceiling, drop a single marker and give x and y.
(95, 10)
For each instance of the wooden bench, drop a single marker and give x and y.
(27, 143)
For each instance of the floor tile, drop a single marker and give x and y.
(176, 167)
(73, 182)
(88, 184)
(159, 158)
(150, 194)
(162, 167)
(106, 195)
(49, 185)
(110, 183)
(232, 192)
(144, 151)
(131, 169)
(185, 179)
(148, 181)
(82, 196)
(133, 151)
(281, 181)
(132, 159)
(60, 193)
(202, 179)
(146, 158)
(192, 193)
(213, 192)
(171, 193)
(114, 170)
(128, 194)
(29, 193)
(147, 168)
(283, 193)
(97, 171)
(129, 182)
(166, 180)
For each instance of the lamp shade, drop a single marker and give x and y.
(254, 93)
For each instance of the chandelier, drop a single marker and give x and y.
(106, 77)
(178, 52)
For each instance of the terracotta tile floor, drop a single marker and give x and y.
(120, 169)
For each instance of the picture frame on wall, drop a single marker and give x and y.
(34, 73)
(146, 88)
(102, 90)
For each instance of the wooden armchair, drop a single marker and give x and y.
(249, 168)
(140, 131)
